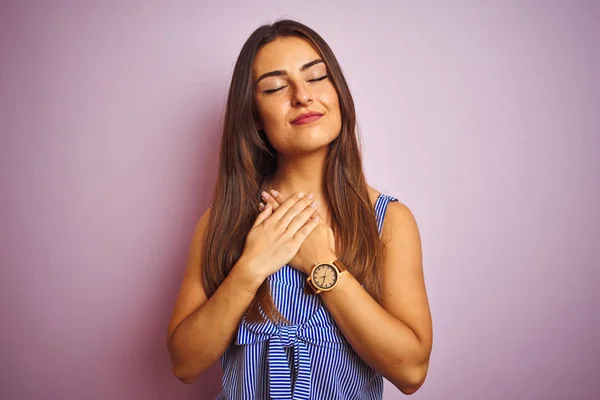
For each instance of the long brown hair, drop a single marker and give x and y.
(247, 161)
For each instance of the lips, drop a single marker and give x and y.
(306, 118)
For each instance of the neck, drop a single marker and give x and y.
(303, 173)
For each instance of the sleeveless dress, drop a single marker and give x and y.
(308, 359)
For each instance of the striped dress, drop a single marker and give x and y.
(308, 359)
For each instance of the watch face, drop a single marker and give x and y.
(324, 276)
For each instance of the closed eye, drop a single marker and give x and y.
(273, 90)
(318, 79)
(311, 80)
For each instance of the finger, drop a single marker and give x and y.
(277, 196)
(294, 211)
(299, 220)
(286, 205)
(321, 221)
(264, 214)
(269, 198)
(306, 229)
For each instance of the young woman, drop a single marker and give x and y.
(307, 294)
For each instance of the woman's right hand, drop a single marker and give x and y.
(276, 236)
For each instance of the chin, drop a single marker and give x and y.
(319, 137)
(307, 141)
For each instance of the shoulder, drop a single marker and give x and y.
(397, 208)
(399, 219)
(400, 223)
(373, 194)
(204, 219)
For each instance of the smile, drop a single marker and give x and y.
(307, 120)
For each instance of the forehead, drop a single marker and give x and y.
(289, 53)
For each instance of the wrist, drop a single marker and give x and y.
(343, 282)
(321, 258)
(246, 276)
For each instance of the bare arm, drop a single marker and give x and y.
(395, 337)
(200, 330)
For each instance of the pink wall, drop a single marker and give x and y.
(484, 119)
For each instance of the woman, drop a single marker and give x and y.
(314, 297)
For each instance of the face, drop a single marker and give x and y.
(290, 79)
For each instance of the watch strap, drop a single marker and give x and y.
(340, 265)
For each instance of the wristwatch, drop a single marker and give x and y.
(325, 275)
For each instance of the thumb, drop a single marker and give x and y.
(264, 214)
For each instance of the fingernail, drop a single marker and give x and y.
(316, 218)
(313, 204)
(261, 206)
(310, 196)
(301, 194)
(274, 193)
(265, 195)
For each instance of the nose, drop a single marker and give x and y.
(302, 96)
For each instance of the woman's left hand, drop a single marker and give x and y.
(318, 246)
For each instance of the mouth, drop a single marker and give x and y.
(307, 118)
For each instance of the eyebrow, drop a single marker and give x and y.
(284, 72)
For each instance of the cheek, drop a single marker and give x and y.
(272, 113)
(331, 101)
(273, 116)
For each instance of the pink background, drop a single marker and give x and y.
(483, 118)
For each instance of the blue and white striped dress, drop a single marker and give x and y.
(308, 359)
